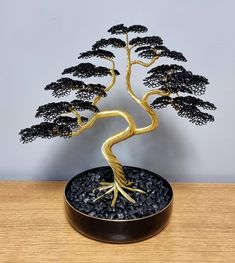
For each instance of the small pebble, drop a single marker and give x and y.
(81, 194)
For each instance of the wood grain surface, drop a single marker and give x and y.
(33, 228)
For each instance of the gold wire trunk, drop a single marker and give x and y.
(120, 183)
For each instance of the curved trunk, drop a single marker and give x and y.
(112, 160)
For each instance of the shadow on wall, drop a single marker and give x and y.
(165, 151)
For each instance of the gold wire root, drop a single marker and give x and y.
(107, 183)
(116, 188)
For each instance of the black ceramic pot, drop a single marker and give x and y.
(118, 231)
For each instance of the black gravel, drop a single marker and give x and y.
(81, 196)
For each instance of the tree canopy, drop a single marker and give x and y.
(173, 79)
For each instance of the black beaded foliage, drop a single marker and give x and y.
(69, 121)
(113, 42)
(161, 70)
(89, 91)
(97, 53)
(118, 29)
(188, 107)
(175, 78)
(81, 105)
(121, 29)
(149, 54)
(45, 130)
(194, 102)
(87, 70)
(137, 29)
(161, 102)
(174, 55)
(143, 41)
(141, 48)
(63, 86)
(53, 110)
(151, 51)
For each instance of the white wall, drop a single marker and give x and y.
(41, 38)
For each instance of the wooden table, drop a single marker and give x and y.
(33, 228)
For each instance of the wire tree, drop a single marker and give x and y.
(170, 83)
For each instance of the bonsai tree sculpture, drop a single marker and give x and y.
(169, 83)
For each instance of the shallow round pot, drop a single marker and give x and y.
(118, 231)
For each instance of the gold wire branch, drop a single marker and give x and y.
(97, 99)
(79, 120)
(128, 73)
(155, 92)
(112, 70)
(152, 114)
(145, 64)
